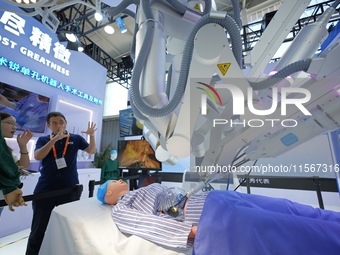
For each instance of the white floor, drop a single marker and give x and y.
(14, 244)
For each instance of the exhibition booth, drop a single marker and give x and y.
(41, 75)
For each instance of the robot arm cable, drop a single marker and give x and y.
(228, 23)
(301, 65)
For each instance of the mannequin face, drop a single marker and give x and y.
(8, 127)
(113, 155)
(115, 190)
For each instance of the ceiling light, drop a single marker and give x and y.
(109, 29)
(76, 46)
(98, 16)
(62, 36)
(71, 36)
(121, 25)
(72, 46)
(66, 36)
(27, 2)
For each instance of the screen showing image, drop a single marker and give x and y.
(128, 124)
(29, 109)
(137, 154)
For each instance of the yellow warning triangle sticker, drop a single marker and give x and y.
(197, 7)
(223, 67)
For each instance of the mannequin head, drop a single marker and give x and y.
(113, 155)
(111, 191)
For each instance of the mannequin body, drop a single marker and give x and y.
(141, 206)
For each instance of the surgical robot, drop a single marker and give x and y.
(199, 96)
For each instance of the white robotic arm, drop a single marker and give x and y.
(324, 106)
(174, 120)
(174, 114)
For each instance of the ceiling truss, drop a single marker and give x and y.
(81, 16)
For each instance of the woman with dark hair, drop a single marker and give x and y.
(8, 128)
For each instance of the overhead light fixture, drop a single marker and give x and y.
(76, 46)
(62, 36)
(80, 47)
(72, 46)
(109, 29)
(70, 35)
(27, 2)
(121, 25)
(67, 36)
(98, 16)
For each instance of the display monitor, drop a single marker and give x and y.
(29, 109)
(137, 154)
(128, 124)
